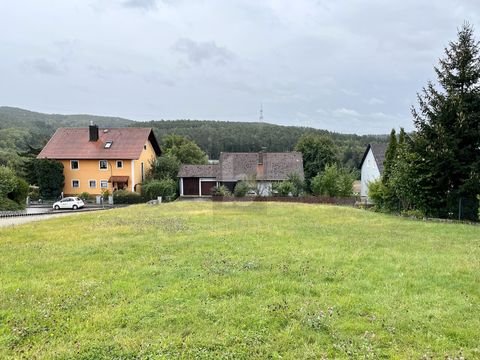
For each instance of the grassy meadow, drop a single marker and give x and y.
(239, 281)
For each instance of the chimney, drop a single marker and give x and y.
(260, 155)
(93, 131)
(260, 169)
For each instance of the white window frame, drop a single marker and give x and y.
(90, 185)
(103, 182)
(71, 165)
(119, 162)
(73, 186)
(100, 166)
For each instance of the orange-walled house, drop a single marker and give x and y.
(95, 160)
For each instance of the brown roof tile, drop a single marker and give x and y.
(73, 143)
(207, 171)
(242, 166)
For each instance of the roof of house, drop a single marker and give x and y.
(206, 171)
(242, 166)
(73, 143)
(378, 151)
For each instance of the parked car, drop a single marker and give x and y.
(69, 203)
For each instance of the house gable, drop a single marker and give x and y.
(372, 166)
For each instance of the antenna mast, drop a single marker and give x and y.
(260, 118)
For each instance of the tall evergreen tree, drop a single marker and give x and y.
(390, 155)
(447, 141)
(401, 137)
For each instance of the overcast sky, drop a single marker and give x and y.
(346, 65)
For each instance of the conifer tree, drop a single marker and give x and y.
(390, 156)
(447, 142)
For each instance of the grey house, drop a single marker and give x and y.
(262, 168)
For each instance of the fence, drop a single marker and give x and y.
(464, 209)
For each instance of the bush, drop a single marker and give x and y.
(33, 193)
(20, 192)
(377, 192)
(8, 181)
(221, 190)
(7, 204)
(127, 197)
(106, 193)
(164, 167)
(298, 184)
(241, 189)
(166, 188)
(383, 196)
(50, 178)
(334, 181)
(84, 196)
(13, 190)
(284, 188)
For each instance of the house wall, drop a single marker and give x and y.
(264, 188)
(90, 170)
(369, 173)
(146, 157)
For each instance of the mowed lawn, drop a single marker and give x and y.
(239, 281)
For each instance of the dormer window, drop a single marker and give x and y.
(108, 144)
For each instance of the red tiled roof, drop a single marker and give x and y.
(73, 143)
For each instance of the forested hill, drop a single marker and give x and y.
(20, 129)
(217, 136)
(44, 125)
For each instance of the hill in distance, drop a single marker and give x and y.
(20, 129)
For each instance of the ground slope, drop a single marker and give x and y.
(240, 281)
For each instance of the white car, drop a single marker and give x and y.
(69, 203)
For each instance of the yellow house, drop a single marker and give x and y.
(95, 160)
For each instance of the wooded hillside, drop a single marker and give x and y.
(20, 129)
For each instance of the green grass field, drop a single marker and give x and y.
(239, 281)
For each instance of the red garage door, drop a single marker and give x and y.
(190, 186)
(207, 187)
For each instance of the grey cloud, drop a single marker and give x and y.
(141, 4)
(108, 72)
(199, 52)
(46, 66)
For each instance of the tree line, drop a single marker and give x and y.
(21, 130)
